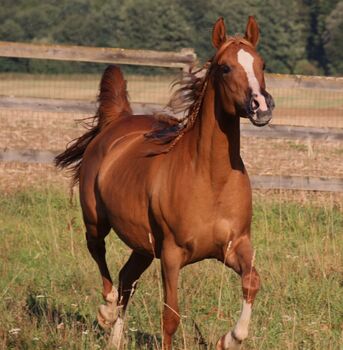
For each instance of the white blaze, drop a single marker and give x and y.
(246, 60)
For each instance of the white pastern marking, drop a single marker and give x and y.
(242, 326)
(230, 343)
(240, 331)
(246, 60)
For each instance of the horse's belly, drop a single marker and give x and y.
(137, 237)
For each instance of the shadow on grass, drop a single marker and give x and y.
(39, 308)
(43, 311)
(146, 341)
(141, 340)
(199, 339)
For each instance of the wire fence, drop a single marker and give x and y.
(148, 89)
(300, 101)
(307, 101)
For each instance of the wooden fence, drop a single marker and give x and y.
(181, 60)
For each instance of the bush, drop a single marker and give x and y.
(305, 67)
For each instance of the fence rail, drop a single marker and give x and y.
(304, 183)
(182, 59)
(79, 106)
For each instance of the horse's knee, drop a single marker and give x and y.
(250, 284)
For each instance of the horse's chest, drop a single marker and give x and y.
(204, 223)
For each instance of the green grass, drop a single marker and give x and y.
(50, 288)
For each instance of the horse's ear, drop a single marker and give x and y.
(252, 33)
(218, 33)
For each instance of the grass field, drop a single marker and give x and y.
(50, 287)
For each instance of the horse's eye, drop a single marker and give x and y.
(225, 69)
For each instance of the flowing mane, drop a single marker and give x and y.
(187, 99)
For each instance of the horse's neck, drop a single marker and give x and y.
(217, 140)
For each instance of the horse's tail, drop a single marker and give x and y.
(113, 103)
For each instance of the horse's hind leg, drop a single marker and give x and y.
(128, 277)
(95, 236)
(241, 260)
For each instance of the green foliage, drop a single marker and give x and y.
(333, 40)
(316, 13)
(200, 16)
(282, 44)
(298, 36)
(162, 27)
(305, 67)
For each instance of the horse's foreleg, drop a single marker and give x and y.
(242, 257)
(128, 277)
(171, 261)
(107, 313)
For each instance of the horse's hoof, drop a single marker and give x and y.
(228, 342)
(107, 315)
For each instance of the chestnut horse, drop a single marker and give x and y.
(174, 190)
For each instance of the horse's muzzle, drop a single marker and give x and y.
(257, 116)
(261, 118)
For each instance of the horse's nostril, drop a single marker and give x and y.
(255, 105)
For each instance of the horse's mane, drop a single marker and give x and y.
(187, 99)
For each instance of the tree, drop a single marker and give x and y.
(72, 22)
(282, 31)
(199, 17)
(297, 36)
(317, 12)
(333, 40)
(162, 27)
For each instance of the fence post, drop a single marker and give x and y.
(194, 60)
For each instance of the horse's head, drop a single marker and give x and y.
(238, 74)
